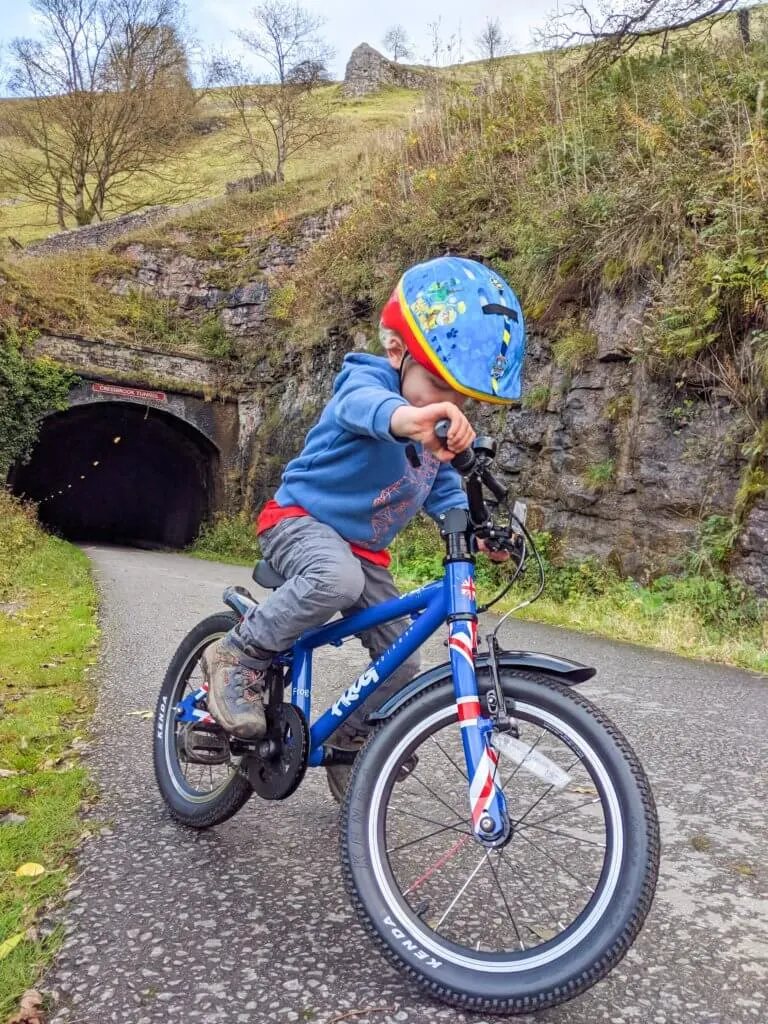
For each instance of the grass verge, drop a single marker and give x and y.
(696, 615)
(48, 635)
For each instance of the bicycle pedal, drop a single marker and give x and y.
(205, 745)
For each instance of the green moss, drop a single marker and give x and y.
(599, 474)
(618, 408)
(573, 347)
(537, 398)
(282, 301)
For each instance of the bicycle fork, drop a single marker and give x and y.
(490, 820)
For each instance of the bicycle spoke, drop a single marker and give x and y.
(504, 899)
(429, 835)
(521, 878)
(421, 782)
(460, 770)
(429, 821)
(461, 891)
(557, 863)
(544, 795)
(556, 814)
(439, 863)
(567, 835)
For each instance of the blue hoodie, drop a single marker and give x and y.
(353, 473)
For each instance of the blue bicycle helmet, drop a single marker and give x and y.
(462, 322)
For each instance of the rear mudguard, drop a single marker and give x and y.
(567, 672)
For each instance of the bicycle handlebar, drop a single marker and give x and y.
(469, 463)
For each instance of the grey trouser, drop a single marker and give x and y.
(323, 577)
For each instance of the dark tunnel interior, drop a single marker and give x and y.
(122, 473)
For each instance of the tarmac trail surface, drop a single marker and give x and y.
(249, 922)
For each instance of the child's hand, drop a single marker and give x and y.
(495, 556)
(419, 425)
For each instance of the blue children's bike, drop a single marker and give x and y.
(499, 837)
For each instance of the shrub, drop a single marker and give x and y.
(30, 389)
(229, 538)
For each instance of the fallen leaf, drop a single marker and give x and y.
(9, 944)
(586, 790)
(544, 933)
(743, 869)
(148, 713)
(30, 1010)
(701, 843)
(30, 870)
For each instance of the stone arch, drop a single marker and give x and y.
(122, 469)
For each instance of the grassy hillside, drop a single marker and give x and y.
(212, 156)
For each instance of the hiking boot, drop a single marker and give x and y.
(346, 737)
(338, 776)
(235, 691)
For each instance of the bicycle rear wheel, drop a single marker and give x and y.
(197, 794)
(537, 921)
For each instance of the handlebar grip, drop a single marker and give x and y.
(464, 462)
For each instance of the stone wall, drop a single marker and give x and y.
(169, 274)
(368, 71)
(119, 361)
(104, 233)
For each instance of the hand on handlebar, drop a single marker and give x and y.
(495, 555)
(419, 425)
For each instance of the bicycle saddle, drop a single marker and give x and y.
(266, 577)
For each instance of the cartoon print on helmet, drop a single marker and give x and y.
(462, 322)
(440, 306)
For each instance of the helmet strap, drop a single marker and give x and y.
(401, 371)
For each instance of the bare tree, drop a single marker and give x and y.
(620, 30)
(396, 41)
(491, 43)
(284, 35)
(280, 113)
(105, 97)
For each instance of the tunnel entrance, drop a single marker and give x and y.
(123, 473)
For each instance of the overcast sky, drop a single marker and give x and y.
(349, 22)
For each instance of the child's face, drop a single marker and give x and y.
(420, 387)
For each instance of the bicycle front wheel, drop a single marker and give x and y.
(542, 918)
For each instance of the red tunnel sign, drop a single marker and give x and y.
(116, 389)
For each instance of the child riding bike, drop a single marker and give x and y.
(452, 329)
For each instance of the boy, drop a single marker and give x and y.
(451, 329)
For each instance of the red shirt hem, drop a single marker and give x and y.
(272, 514)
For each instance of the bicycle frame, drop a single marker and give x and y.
(451, 600)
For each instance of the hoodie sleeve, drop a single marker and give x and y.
(364, 405)
(446, 492)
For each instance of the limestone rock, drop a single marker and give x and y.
(368, 71)
(751, 562)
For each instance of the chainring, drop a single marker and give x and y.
(274, 776)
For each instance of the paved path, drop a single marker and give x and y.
(165, 924)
